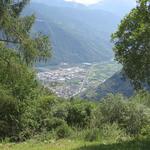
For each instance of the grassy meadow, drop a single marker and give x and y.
(77, 145)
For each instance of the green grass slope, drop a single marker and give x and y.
(77, 145)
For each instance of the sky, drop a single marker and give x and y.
(89, 2)
(85, 2)
(119, 7)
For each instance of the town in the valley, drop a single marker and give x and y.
(69, 81)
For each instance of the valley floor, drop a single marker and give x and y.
(77, 145)
(71, 80)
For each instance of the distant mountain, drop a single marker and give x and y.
(116, 84)
(78, 34)
(118, 7)
(59, 3)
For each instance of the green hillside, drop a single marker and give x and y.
(115, 84)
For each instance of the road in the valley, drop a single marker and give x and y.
(85, 80)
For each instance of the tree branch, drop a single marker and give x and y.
(9, 41)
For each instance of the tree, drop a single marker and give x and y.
(132, 44)
(19, 49)
(16, 32)
(8, 113)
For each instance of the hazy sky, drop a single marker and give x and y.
(86, 2)
(89, 2)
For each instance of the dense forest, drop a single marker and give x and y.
(28, 111)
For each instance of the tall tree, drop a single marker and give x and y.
(132, 44)
(19, 48)
(15, 30)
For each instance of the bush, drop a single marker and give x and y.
(142, 97)
(113, 109)
(24, 135)
(108, 133)
(45, 136)
(130, 116)
(92, 134)
(135, 119)
(113, 133)
(9, 114)
(39, 114)
(80, 114)
(63, 131)
(42, 114)
(145, 132)
(53, 123)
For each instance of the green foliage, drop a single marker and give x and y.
(77, 145)
(113, 133)
(15, 75)
(92, 134)
(9, 114)
(113, 109)
(128, 115)
(109, 133)
(63, 131)
(80, 114)
(132, 44)
(145, 132)
(114, 119)
(16, 30)
(18, 50)
(142, 97)
(28, 110)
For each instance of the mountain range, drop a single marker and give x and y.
(78, 33)
(118, 7)
(118, 83)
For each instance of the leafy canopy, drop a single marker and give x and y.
(15, 31)
(132, 44)
(19, 48)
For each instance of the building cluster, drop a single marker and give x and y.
(65, 82)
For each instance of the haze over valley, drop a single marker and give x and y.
(80, 33)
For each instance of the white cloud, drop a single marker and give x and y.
(85, 2)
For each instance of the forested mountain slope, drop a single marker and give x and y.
(77, 34)
(116, 84)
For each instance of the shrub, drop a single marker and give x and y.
(141, 97)
(92, 134)
(9, 114)
(145, 132)
(135, 118)
(42, 113)
(25, 134)
(45, 136)
(113, 133)
(108, 133)
(130, 116)
(39, 114)
(113, 109)
(80, 114)
(63, 131)
(52, 123)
